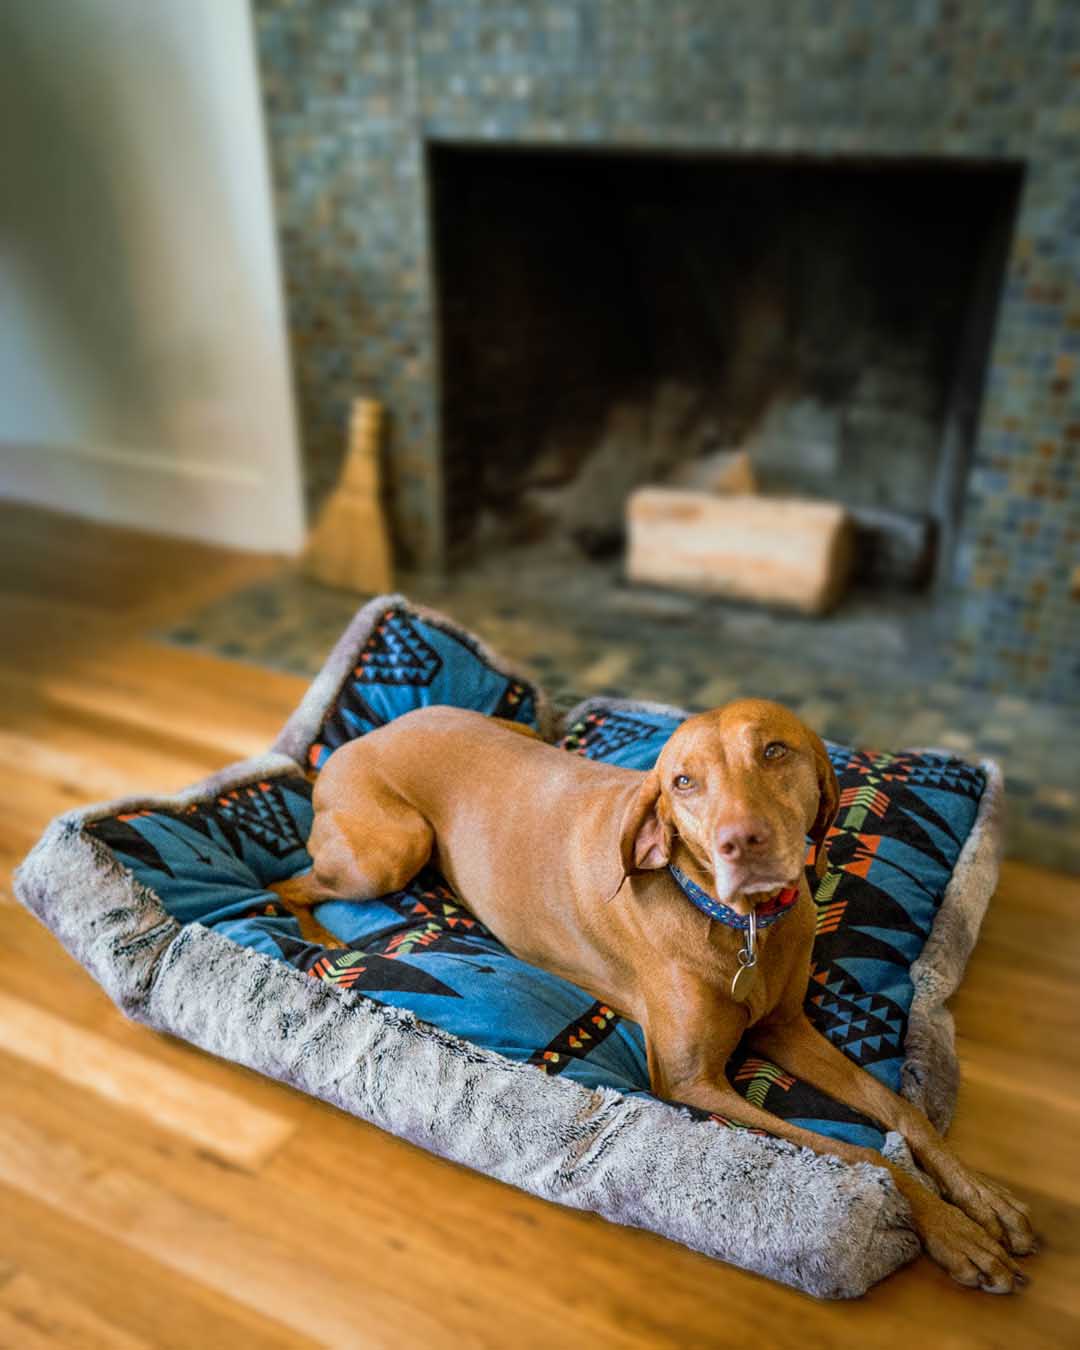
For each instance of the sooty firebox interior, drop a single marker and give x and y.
(602, 316)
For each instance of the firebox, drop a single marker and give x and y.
(607, 319)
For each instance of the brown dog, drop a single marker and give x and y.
(567, 862)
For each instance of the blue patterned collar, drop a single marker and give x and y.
(766, 914)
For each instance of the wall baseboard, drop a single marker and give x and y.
(229, 505)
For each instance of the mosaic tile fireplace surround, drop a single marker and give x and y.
(362, 94)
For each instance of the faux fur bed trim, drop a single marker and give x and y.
(807, 1220)
(930, 1075)
(112, 925)
(300, 731)
(784, 1212)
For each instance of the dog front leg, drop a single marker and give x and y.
(796, 1045)
(689, 1042)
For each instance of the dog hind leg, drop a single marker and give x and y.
(298, 895)
(374, 847)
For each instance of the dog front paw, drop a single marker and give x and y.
(966, 1250)
(1003, 1217)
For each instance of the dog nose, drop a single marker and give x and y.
(740, 838)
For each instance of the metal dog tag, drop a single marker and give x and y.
(745, 981)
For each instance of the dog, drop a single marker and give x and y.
(628, 884)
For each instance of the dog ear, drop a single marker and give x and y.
(828, 803)
(646, 832)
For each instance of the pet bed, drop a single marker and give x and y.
(424, 1025)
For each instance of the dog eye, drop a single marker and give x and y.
(683, 782)
(775, 750)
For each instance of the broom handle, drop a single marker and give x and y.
(365, 430)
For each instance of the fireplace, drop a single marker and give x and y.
(606, 318)
(934, 107)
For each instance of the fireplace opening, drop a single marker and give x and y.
(612, 319)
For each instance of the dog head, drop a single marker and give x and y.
(738, 789)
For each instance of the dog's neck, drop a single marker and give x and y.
(697, 889)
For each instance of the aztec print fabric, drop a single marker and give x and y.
(408, 664)
(902, 823)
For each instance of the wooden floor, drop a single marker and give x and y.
(153, 1196)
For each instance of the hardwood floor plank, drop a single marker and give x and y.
(53, 559)
(33, 1316)
(60, 751)
(165, 696)
(268, 1274)
(218, 1121)
(1034, 1076)
(376, 1243)
(125, 1289)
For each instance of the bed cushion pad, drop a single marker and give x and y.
(201, 948)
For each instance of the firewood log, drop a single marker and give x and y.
(774, 550)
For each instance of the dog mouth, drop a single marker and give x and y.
(751, 894)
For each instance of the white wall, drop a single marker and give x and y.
(144, 372)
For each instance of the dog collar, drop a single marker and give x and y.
(766, 914)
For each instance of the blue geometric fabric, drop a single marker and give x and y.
(408, 664)
(903, 820)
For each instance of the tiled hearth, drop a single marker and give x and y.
(859, 676)
(356, 91)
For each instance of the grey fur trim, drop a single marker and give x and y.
(112, 925)
(930, 1075)
(784, 1212)
(109, 923)
(301, 729)
(236, 775)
